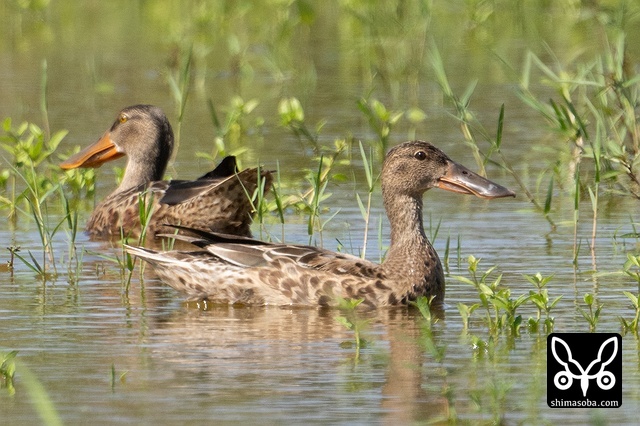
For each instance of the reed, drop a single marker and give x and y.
(40, 398)
(365, 210)
(470, 125)
(318, 187)
(311, 200)
(145, 213)
(257, 200)
(631, 268)
(44, 105)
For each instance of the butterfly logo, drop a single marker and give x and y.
(564, 379)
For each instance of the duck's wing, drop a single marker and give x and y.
(247, 253)
(223, 178)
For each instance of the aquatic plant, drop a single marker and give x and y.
(7, 371)
(365, 211)
(632, 267)
(310, 201)
(595, 110)
(632, 325)
(180, 84)
(291, 116)
(258, 202)
(470, 125)
(500, 307)
(36, 187)
(116, 378)
(278, 206)
(350, 318)
(28, 150)
(34, 388)
(381, 121)
(592, 314)
(38, 209)
(229, 130)
(540, 298)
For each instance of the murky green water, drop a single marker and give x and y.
(143, 356)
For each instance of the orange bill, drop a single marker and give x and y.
(463, 181)
(94, 155)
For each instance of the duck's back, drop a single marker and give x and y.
(218, 204)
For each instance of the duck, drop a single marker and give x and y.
(238, 270)
(219, 201)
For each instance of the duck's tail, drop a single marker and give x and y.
(148, 255)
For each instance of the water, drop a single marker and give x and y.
(182, 363)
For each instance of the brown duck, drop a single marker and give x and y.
(217, 201)
(241, 270)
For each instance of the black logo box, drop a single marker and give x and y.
(584, 370)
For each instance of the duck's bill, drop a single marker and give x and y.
(463, 181)
(94, 155)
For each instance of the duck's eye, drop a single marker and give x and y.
(123, 118)
(420, 155)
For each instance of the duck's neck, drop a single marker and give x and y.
(148, 165)
(141, 172)
(407, 230)
(411, 260)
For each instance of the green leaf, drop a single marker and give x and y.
(367, 168)
(632, 297)
(547, 201)
(555, 302)
(588, 299)
(500, 127)
(485, 289)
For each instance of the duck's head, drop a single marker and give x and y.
(412, 168)
(143, 133)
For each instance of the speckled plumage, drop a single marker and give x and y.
(217, 201)
(230, 269)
